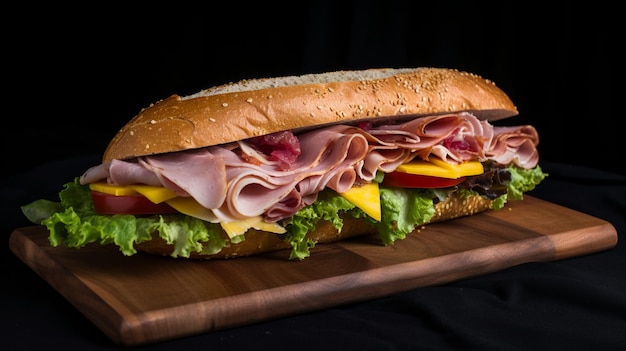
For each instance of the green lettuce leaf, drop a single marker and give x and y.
(402, 211)
(72, 221)
(328, 207)
(522, 181)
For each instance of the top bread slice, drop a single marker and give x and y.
(255, 107)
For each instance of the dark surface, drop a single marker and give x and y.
(72, 79)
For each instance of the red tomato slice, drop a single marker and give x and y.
(127, 204)
(407, 180)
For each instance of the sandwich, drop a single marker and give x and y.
(288, 163)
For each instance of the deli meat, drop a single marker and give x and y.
(335, 157)
(514, 145)
(173, 171)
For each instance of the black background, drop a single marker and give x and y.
(73, 75)
(77, 74)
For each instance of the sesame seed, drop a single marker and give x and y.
(225, 104)
(153, 122)
(212, 119)
(249, 100)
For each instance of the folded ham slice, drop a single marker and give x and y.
(334, 157)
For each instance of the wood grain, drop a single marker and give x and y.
(145, 299)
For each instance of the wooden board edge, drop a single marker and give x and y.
(585, 241)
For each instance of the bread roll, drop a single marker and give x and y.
(225, 114)
(250, 108)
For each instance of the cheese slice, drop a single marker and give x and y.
(365, 197)
(468, 168)
(117, 190)
(235, 228)
(156, 194)
(436, 167)
(191, 207)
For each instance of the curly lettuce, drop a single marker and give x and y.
(73, 222)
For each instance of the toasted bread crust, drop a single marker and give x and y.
(249, 108)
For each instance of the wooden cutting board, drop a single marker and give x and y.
(144, 299)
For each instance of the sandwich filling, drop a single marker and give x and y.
(337, 157)
(266, 183)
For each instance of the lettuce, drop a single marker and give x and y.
(73, 222)
(327, 207)
(523, 180)
(402, 210)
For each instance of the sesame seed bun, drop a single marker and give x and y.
(256, 107)
(232, 112)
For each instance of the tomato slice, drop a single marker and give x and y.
(127, 204)
(408, 180)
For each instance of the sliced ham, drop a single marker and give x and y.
(335, 157)
(198, 173)
(120, 173)
(516, 145)
(424, 136)
(95, 173)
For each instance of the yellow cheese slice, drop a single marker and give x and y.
(365, 197)
(468, 168)
(191, 207)
(240, 227)
(116, 190)
(156, 194)
(438, 168)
